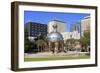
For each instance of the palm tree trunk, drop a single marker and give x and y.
(41, 48)
(38, 48)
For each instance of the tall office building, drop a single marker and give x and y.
(61, 26)
(85, 24)
(76, 27)
(34, 29)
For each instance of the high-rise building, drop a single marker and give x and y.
(34, 29)
(85, 24)
(76, 27)
(61, 26)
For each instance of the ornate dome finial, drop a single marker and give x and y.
(55, 27)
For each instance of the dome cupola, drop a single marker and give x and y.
(54, 36)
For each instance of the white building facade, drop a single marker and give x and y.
(61, 26)
(85, 24)
(69, 35)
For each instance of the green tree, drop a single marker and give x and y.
(26, 43)
(41, 42)
(69, 43)
(85, 39)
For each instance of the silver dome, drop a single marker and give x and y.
(54, 37)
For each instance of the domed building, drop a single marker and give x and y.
(55, 40)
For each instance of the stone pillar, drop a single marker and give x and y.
(49, 45)
(56, 46)
(63, 45)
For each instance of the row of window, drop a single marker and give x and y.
(38, 25)
(36, 34)
(38, 29)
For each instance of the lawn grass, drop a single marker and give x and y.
(55, 58)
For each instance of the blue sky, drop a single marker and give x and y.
(45, 17)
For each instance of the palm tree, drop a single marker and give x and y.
(40, 44)
(85, 40)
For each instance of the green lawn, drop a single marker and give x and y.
(55, 58)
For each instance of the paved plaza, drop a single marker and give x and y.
(50, 54)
